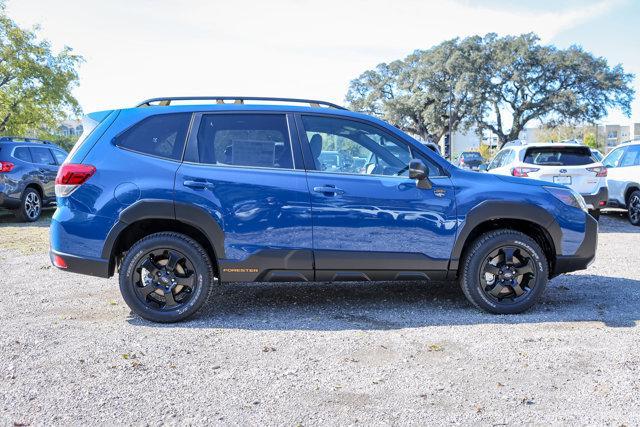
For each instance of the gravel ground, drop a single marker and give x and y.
(286, 354)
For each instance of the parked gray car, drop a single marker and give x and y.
(28, 169)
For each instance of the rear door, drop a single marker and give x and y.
(371, 221)
(245, 170)
(47, 169)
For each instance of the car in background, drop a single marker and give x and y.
(623, 164)
(568, 164)
(597, 154)
(470, 160)
(28, 169)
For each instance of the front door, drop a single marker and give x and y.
(370, 221)
(240, 168)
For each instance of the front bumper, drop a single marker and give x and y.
(585, 254)
(597, 200)
(88, 266)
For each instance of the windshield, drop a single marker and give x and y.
(559, 156)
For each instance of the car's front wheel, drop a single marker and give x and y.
(633, 207)
(166, 277)
(504, 272)
(30, 206)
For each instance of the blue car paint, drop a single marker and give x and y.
(267, 209)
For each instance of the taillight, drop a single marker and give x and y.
(523, 172)
(71, 176)
(601, 171)
(6, 166)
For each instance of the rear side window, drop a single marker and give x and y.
(256, 140)
(162, 135)
(558, 156)
(42, 156)
(22, 153)
(631, 157)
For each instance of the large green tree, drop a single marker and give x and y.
(415, 93)
(526, 81)
(35, 82)
(494, 83)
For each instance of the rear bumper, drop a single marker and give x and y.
(585, 254)
(88, 266)
(597, 200)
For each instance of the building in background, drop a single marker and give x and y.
(70, 128)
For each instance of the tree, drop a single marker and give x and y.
(415, 93)
(528, 81)
(35, 83)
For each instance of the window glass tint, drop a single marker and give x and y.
(257, 140)
(612, 160)
(162, 135)
(495, 163)
(631, 157)
(558, 156)
(59, 155)
(42, 156)
(345, 146)
(22, 153)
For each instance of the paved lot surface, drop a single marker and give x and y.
(319, 354)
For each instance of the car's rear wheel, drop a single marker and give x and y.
(30, 206)
(504, 272)
(166, 277)
(633, 208)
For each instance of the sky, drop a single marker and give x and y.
(139, 49)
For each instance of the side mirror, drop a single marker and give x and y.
(483, 168)
(419, 171)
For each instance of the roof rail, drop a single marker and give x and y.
(236, 100)
(24, 139)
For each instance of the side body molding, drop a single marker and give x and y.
(492, 210)
(143, 209)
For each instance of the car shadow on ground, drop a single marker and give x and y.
(8, 219)
(613, 301)
(616, 221)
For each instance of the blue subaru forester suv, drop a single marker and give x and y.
(178, 198)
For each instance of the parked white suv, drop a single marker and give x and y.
(569, 164)
(623, 164)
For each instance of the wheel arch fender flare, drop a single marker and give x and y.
(502, 210)
(192, 215)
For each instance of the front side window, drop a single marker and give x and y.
(254, 140)
(162, 135)
(495, 163)
(345, 146)
(22, 153)
(631, 157)
(612, 160)
(60, 156)
(42, 156)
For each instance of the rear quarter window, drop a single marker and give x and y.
(559, 156)
(162, 135)
(22, 153)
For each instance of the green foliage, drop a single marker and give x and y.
(35, 83)
(485, 151)
(497, 83)
(415, 93)
(590, 140)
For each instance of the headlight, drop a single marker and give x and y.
(568, 197)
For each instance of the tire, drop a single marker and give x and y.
(633, 208)
(489, 252)
(30, 206)
(595, 214)
(157, 289)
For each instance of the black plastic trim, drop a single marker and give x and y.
(594, 199)
(362, 261)
(83, 265)
(268, 265)
(496, 210)
(585, 254)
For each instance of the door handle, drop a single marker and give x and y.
(198, 185)
(328, 189)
